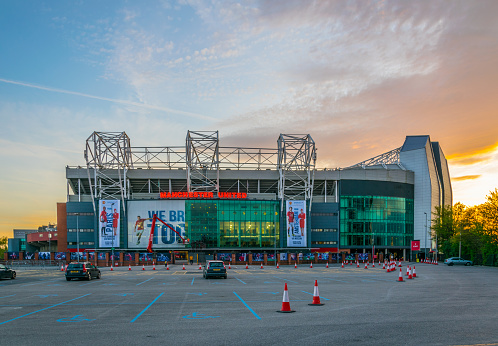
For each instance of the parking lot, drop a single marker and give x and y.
(442, 306)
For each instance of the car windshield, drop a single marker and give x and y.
(75, 266)
(2, 266)
(216, 264)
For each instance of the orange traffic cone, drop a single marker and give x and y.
(407, 270)
(351, 263)
(400, 278)
(200, 267)
(357, 264)
(129, 266)
(410, 276)
(229, 266)
(295, 264)
(62, 267)
(277, 265)
(261, 265)
(247, 267)
(167, 266)
(373, 264)
(285, 301)
(366, 265)
(316, 295)
(328, 265)
(414, 273)
(183, 267)
(311, 265)
(384, 266)
(153, 266)
(143, 266)
(111, 268)
(342, 265)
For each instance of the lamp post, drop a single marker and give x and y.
(425, 243)
(77, 237)
(49, 252)
(275, 232)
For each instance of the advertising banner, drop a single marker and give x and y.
(140, 215)
(296, 223)
(415, 245)
(109, 223)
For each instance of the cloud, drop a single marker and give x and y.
(466, 177)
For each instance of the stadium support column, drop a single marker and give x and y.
(296, 166)
(203, 170)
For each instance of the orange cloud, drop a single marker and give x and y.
(466, 177)
(473, 156)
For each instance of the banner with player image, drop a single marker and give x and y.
(109, 223)
(140, 215)
(296, 223)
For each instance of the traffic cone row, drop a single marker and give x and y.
(286, 304)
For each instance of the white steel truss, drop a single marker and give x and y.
(203, 168)
(388, 158)
(296, 166)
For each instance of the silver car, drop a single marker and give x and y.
(457, 260)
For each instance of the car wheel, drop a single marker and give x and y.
(13, 275)
(467, 264)
(450, 264)
(68, 279)
(89, 277)
(225, 276)
(99, 275)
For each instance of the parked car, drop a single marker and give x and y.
(214, 269)
(82, 270)
(6, 272)
(457, 260)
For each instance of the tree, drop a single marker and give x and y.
(3, 246)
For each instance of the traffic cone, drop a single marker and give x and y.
(366, 265)
(129, 266)
(328, 265)
(399, 264)
(400, 279)
(143, 267)
(285, 301)
(153, 266)
(167, 266)
(342, 266)
(111, 268)
(200, 267)
(295, 264)
(277, 265)
(316, 295)
(407, 270)
(383, 266)
(410, 276)
(247, 267)
(183, 267)
(261, 266)
(414, 273)
(357, 264)
(62, 267)
(229, 265)
(373, 264)
(351, 263)
(311, 265)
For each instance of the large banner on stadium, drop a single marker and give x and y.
(140, 215)
(109, 223)
(296, 223)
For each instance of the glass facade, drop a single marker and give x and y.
(383, 221)
(233, 223)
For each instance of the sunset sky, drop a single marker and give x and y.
(358, 76)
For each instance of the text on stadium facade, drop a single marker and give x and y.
(202, 194)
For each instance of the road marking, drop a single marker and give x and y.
(77, 318)
(34, 312)
(247, 306)
(145, 281)
(197, 316)
(312, 294)
(286, 279)
(8, 296)
(241, 281)
(148, 306)
(192, 281)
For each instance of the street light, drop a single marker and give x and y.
(49, 248)
(77, 237)
(425, 244)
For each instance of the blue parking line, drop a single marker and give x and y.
(145, 281)
(34, 312)
(286, 279)
(312, 294)
(247, 306)
(148, 306)
(192, 281)
(241, 281)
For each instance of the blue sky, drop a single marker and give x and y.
(357, 75)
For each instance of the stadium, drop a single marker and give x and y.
(204, 198)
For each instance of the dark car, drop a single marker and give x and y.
(457, 260)
(82, 270)
(214, 269)
(6, 272)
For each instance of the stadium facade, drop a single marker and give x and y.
(260, 200)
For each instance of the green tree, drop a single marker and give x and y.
(3, 246)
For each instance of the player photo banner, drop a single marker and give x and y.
(109, 223)
(140, 215)
(296, 223)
